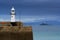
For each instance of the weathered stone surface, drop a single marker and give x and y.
(16, 36)
(18, 32)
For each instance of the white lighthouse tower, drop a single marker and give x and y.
(12, 14)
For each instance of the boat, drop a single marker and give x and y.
(43, 23)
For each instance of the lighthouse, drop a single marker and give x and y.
(12, 14)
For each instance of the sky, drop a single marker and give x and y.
(31, 10)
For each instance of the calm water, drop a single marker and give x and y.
(49, 32)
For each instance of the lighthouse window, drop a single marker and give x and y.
(12, 10)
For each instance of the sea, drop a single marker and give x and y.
(45, 32)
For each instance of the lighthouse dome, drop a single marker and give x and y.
(12, 8)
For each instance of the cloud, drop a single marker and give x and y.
(35, 0)
(41, 0)
(38, 18)
(7, 18)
